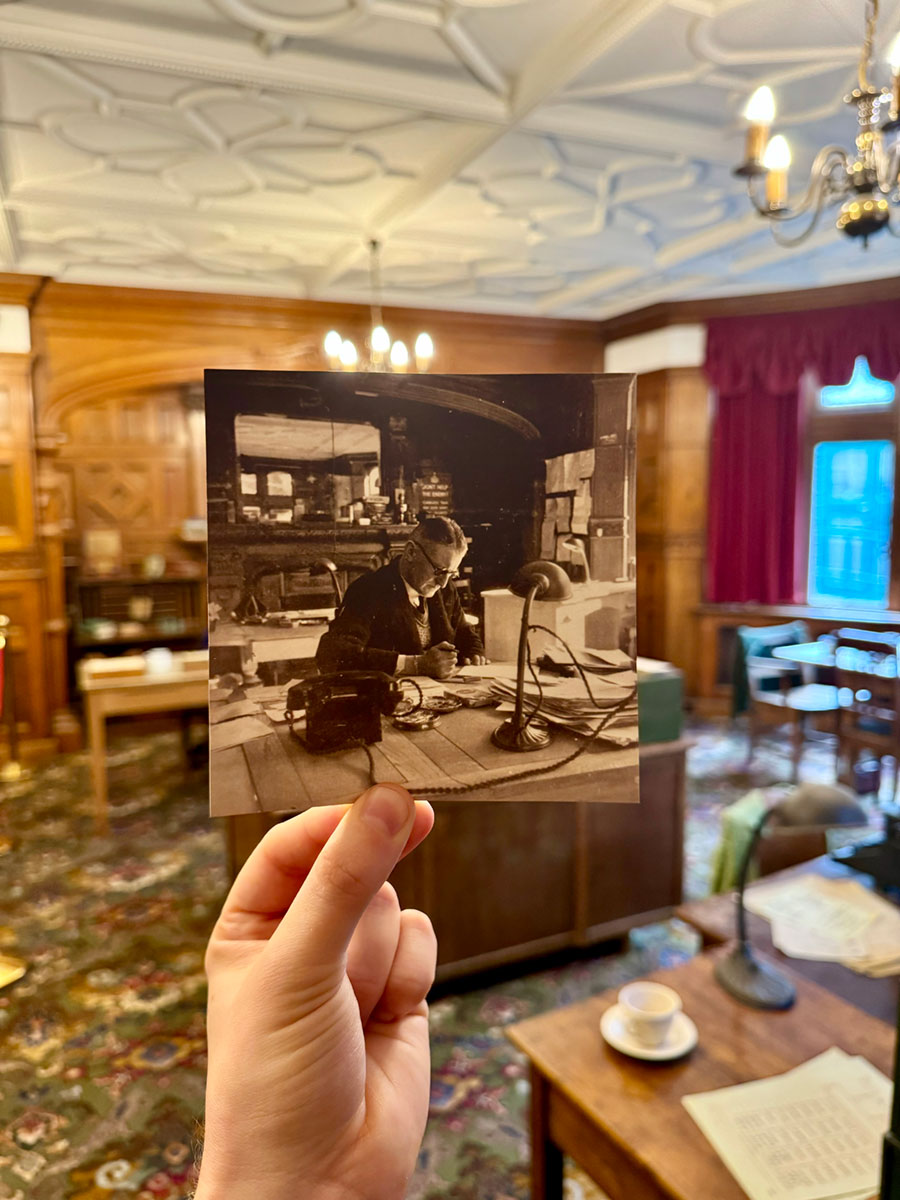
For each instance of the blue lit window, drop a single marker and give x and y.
(850, 523)
(863, 390)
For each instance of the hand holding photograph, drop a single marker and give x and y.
(421, 579)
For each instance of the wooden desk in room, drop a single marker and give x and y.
(106, 696)
(714, 919)
(623, 1121)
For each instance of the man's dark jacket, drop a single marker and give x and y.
(376, 623)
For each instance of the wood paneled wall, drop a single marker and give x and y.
(117, 430)
(673, 450)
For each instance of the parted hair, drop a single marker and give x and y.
(440, 531)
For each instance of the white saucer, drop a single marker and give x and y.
(681, 1038)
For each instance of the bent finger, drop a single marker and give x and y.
(412, 971)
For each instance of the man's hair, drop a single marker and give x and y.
(440, 531)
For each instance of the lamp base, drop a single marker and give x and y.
(753, 982)
(533, 736)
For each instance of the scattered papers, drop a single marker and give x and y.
(834, 920)
(228, 712)
(610, 658)
(235, 733)
(813, 1133)
(565, 702)
(266, 694)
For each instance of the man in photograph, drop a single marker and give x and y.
(406, 618)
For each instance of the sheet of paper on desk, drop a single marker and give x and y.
(813, 1133)
(267, 693)
(836, 920)
(228, 712)
(235, 733)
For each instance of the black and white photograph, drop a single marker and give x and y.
(421, 579)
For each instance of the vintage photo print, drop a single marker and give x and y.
(427, 579)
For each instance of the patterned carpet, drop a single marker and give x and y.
(103, 1054)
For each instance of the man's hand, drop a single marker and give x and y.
(440, 661)
(476, 660)
(317, 1022)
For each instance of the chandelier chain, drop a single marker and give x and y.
(865, 58)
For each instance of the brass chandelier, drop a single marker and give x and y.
(864, 182)
(380, 353)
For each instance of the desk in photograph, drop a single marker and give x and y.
(714, 919)
(183, 688)
(623, 1121)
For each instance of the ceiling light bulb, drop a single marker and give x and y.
(348, 355)
(778, 154)
(424, 347)
(399, 356)
(893, 54)
(333, 343)
(380, 340)
(760, 108)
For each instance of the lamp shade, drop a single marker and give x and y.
(550, 579)
(818, 804)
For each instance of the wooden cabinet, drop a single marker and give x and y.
(504, 882)
(23, 574)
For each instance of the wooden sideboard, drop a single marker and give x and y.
(506, 882)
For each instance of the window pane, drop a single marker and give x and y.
(850, 523)
(863, 390)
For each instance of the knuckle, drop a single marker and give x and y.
(342, 878)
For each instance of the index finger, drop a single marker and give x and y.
(273, 874)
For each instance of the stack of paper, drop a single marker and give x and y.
(834, 920)
(813, 1133)
(566, 702)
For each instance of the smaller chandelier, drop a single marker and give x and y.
(381, 354)
(864, 182)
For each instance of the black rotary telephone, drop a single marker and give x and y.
(343, 709)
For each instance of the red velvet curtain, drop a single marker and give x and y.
(755, 365)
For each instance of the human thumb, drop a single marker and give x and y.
(352, 866)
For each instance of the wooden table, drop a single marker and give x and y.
(623, 1121)
(110, 696)
(714, 919)
(276, 773)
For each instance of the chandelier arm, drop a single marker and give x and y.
(887, 164)
(820, 184)
(865, 58)
(786, 240)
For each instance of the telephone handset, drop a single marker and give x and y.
(342, 709)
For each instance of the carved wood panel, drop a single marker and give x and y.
(16, 454)
(129, 464)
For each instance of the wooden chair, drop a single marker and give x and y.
(776, 686)
(867, 675)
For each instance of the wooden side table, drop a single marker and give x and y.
(623, 1120)
(106, 696)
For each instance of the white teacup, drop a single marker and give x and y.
(648, 1010)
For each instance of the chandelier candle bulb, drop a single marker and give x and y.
(349, 357)
(399, 357)
(333, 343)
(424, 351)
(760, 112)
(776, 160)
(893, 57)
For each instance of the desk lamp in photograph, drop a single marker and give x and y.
(324, 566)
(543, 581)
(741, 974)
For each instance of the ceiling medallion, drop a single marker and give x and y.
(381, 354)
(864, 182)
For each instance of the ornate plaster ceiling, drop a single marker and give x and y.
(558, 157)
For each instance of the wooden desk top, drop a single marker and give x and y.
(276, 773)
(189, 667)
(714, 918)
(634, 1108)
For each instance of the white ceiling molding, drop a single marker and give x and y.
(571, 159)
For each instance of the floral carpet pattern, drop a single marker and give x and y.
(102, 1049)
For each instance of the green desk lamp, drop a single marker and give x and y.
(741, 974)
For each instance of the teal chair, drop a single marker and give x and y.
(768, 687)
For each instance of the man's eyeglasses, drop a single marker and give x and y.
(442, 574)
